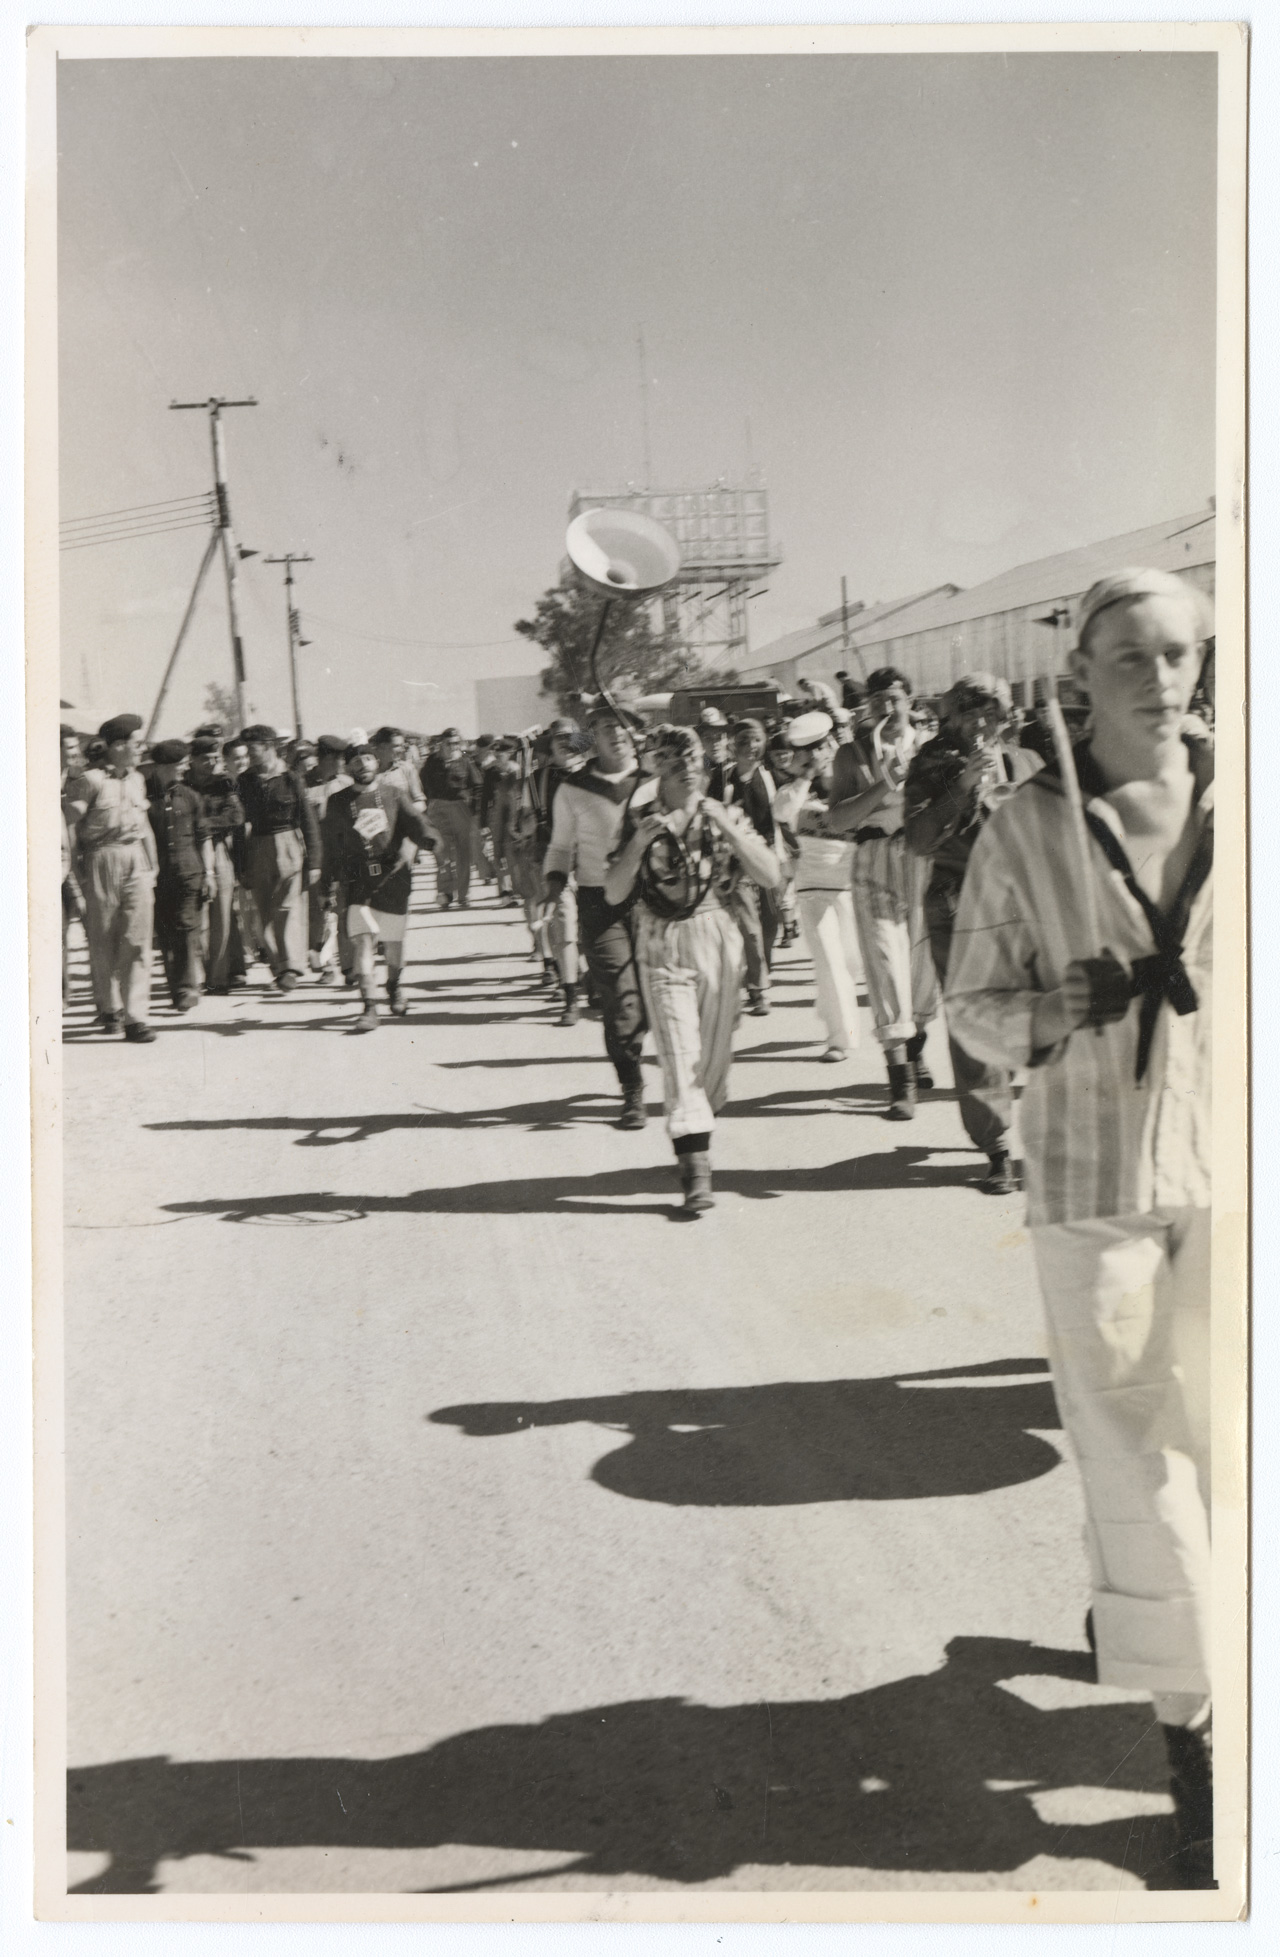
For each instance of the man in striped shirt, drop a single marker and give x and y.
(1115, 1030)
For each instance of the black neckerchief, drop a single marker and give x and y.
(1162, 976)
(592, 782)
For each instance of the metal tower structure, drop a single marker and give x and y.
(725, 553)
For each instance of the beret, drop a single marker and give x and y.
(331, 744)
(167, 752)
(120, 728)
(204, 744)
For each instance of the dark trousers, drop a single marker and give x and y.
(221, 961)
(604, 938)
(177, 929)
(985, 1092)
(757, 917)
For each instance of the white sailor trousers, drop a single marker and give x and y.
(888, 901)
(831, 939)
(1127, 1303)
(691, 977)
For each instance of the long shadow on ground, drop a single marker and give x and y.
(908, 1437)
(600, 1195)
(564, 1111)
(932, 1774)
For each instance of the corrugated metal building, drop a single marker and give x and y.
(1019, 624)
(817, 652)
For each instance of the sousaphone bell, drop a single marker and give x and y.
(620, 554)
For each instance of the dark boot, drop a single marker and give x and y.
(368, 1020)
(398, 1004)
(695, 1180)
(915, 1058)
(1191, 1785)
(999, 1179)
(902, 1092)
(633, 1109)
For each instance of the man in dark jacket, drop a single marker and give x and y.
(952, 785)
(224, 955)
(184, 880)
(451, 783)
(283, 857)
(372, 835)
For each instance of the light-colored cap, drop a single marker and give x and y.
(808, 729)
(1139, 583)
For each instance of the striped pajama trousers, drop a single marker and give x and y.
(691, 978)
(889, 884)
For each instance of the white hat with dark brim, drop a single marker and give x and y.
(808, 729)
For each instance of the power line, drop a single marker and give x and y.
(202, 513)
(432, 645)
(135, 509)
(127, 536)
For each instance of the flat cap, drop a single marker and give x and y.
(808, 729)
(167, 752)
(331, 744)
(120, 728)
(205, 744)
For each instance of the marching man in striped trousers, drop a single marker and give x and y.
(681, 852)
(1113, 1024)
(889, 884)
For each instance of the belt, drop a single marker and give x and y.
(875, 835)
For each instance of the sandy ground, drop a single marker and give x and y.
(446, 1513)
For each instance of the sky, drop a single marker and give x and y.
(958, 312)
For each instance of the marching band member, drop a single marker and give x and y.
(680, 852)
(888, 884)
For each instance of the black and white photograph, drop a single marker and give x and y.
(640, 1179)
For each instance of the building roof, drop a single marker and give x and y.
(1178, 544)
(828, 631)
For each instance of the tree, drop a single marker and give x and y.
(634, 657)
(220, 704)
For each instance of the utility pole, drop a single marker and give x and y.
(187, 617)
(290, 558)
(231, 551)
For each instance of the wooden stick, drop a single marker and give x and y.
(1075, 802)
